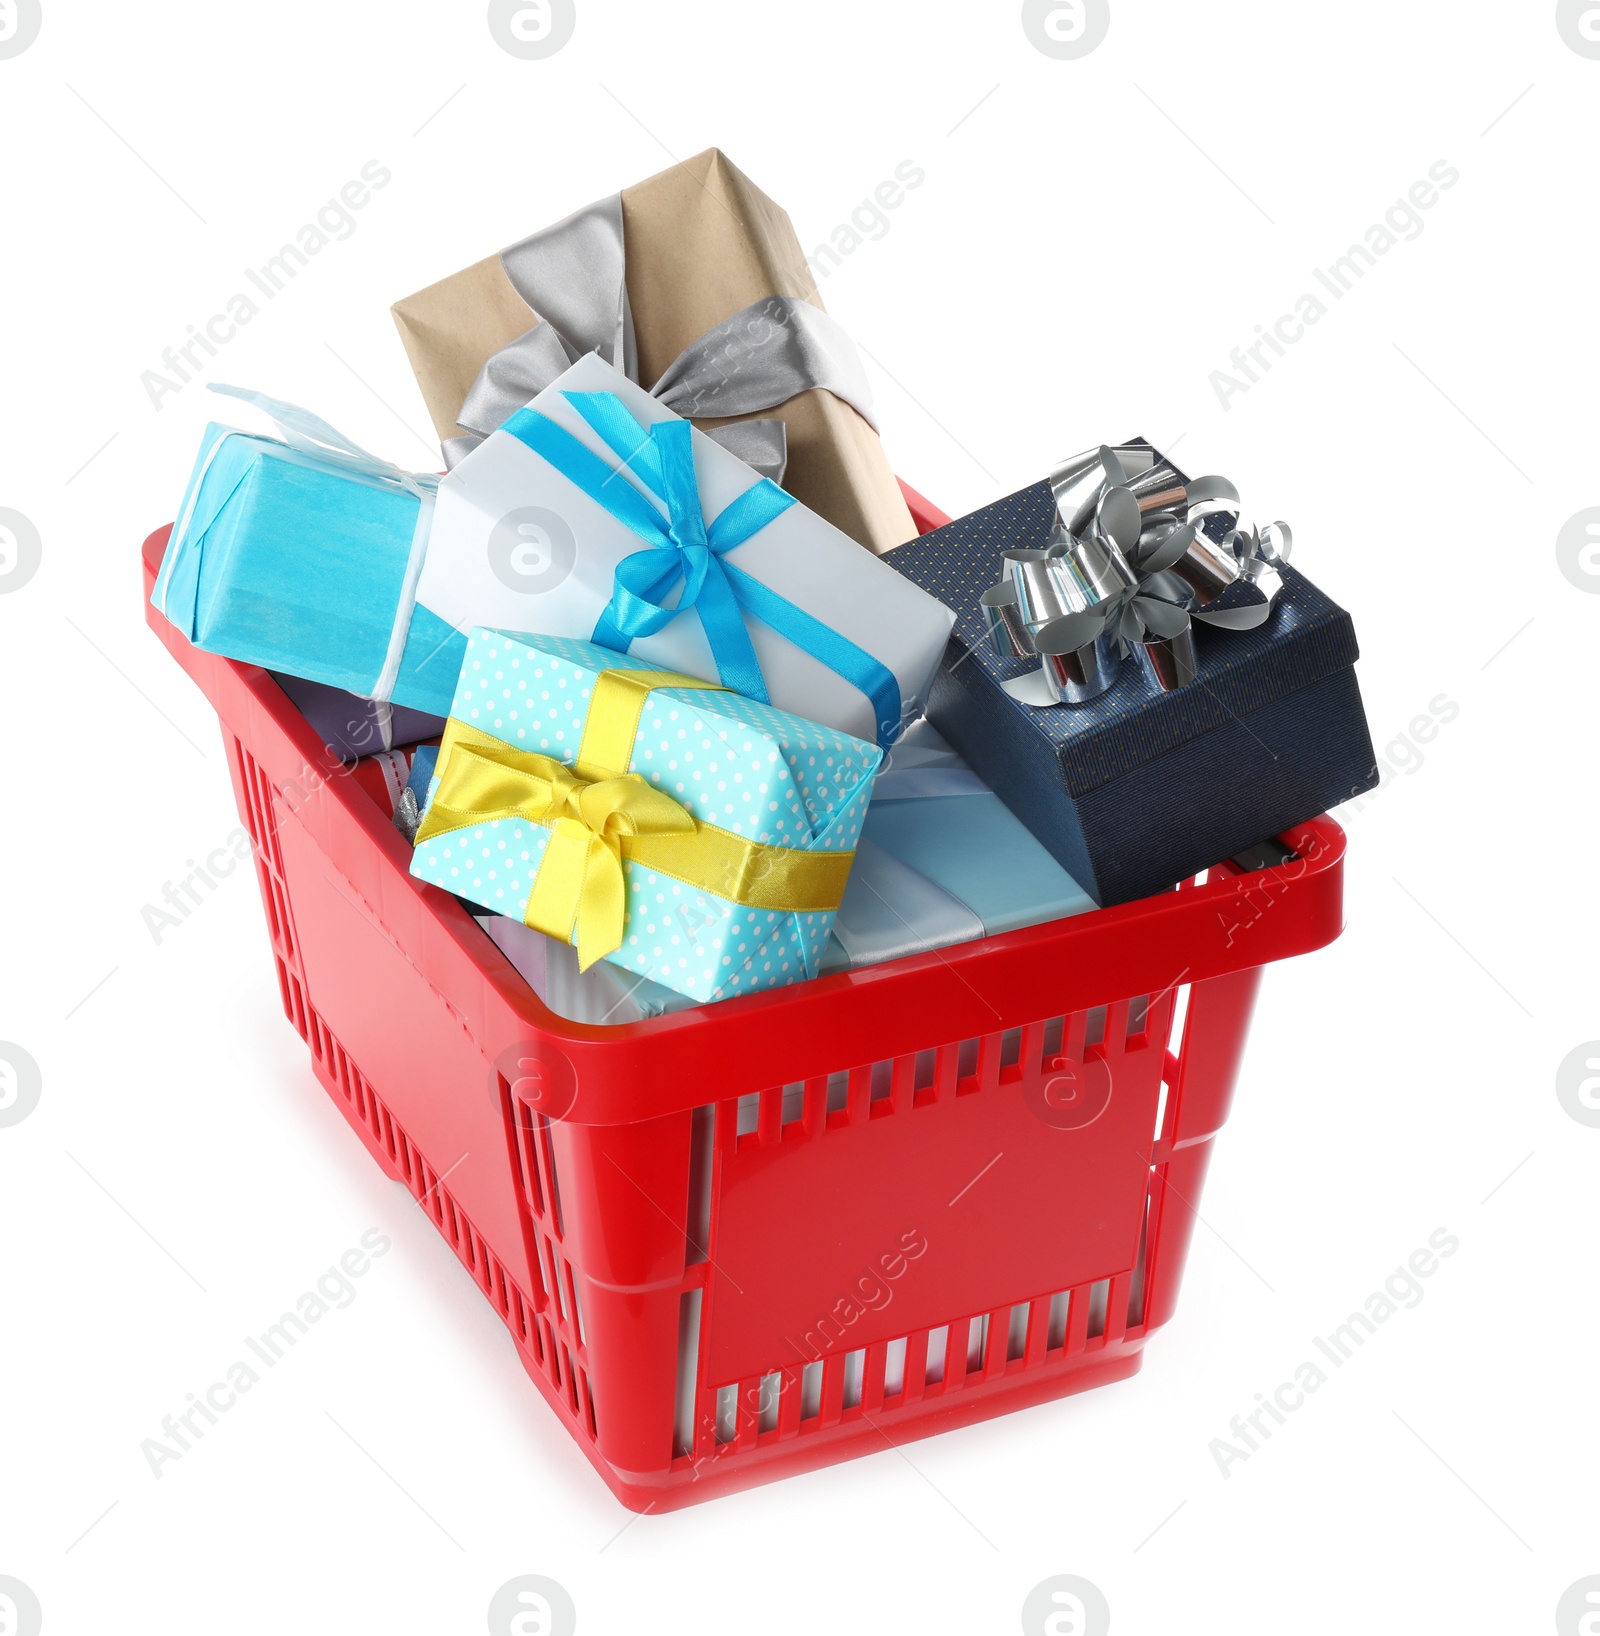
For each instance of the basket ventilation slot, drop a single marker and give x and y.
(556, 1348)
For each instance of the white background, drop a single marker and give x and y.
(1093, 239)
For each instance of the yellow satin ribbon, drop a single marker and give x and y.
(601, 816)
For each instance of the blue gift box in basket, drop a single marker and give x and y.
(1173, 762)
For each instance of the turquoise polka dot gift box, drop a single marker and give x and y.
(681, 831)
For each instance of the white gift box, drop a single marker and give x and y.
(516, 545)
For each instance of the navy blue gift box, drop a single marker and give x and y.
(1140, 789)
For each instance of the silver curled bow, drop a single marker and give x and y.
(1138, 553)
(573, 275)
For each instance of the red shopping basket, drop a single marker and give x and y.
(765, 1235)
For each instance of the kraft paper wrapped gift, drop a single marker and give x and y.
(1141, 787)
(312, 557)
(694, 283)
(687, 834)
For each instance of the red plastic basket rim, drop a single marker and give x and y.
(1003, 974)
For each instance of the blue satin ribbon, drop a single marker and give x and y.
(682, 549)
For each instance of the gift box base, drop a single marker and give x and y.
(1106, 839)
(605, 1187)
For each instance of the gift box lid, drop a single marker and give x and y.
(1306, 638)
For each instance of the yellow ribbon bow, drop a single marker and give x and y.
(600, 815)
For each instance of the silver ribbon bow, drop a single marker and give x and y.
(1138, 554)
(574, 276)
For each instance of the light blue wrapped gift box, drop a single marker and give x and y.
(941, 860)
(758, 772)
(589, 514)
(322, 603)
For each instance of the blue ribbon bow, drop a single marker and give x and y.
(683, 550)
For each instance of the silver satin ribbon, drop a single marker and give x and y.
(574, 276)
(408, 814)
